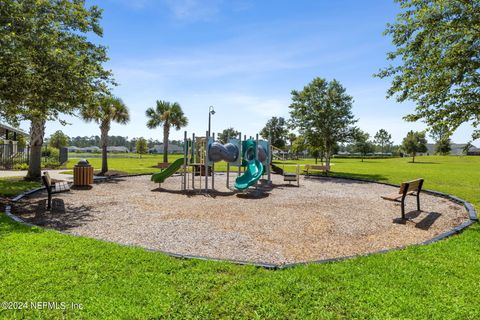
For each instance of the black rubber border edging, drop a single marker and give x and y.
(456, 230)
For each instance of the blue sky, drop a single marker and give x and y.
(244, 57)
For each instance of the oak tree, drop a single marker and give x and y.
(48, 66)
(413, 143)
(383, 139)
(436, 63)
(322, 112)
(227, 134)
(276, 130)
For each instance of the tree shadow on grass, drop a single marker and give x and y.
(9, 187)
(348, 175)
(423, 162)
(8, 226)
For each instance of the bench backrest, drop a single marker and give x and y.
(163, 165)
(47, 181)
(414, 185)
(316, 167)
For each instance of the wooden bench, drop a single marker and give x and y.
(310, 167)
(163, 165)
(410, 188)
(53, 187)
(295, 177)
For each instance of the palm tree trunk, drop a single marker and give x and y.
(37, 132)
(166, 131)
(104, 128)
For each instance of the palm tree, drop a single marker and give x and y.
(168, 114)
(106, 110)
(291, 138)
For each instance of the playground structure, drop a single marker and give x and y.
(201, 153)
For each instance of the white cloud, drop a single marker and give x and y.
(208, 65)
(193, 10)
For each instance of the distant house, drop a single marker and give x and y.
(10, 133)
(474, 151)
(92, 149)
(9, 139)
(120, 149)
(456, 149)
(172, 148)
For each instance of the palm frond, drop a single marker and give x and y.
(166, 113)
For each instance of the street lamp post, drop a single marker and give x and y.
(211, 112)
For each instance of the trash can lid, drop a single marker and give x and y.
(83, 163)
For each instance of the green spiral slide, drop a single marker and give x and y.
(254, 169)
(250, 177)
(161, 176)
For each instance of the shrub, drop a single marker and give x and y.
(50, 152)
(50, 163)
(20, 166)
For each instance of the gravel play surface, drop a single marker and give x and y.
(323, 218)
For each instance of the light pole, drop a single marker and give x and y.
(211, 112)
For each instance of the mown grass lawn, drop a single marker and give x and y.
(457, 175)
(128, 164)
(12, 186)
(112, 281)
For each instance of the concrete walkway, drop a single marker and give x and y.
(55, 174)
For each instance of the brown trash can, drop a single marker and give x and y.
(82, 174)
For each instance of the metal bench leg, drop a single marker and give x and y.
(418, 201)
(403, 206)
(49, 202)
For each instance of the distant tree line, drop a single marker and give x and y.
(59, 139)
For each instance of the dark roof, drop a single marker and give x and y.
(4, 127)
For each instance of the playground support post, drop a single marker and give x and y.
(192, 147)
(244, 138)
(240, 153)
(269, 155)
(256, 151)
(185, 155)
(213, 166)
(228, 166)
(206, 162)
(228, 174)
